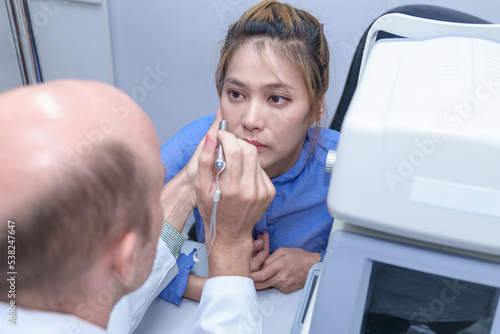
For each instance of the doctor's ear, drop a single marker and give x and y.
(124, 259)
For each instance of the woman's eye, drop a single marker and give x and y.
(234, 94)
(277, 99)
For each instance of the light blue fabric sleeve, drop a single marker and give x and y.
(175, 154)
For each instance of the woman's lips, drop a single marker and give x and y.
(255, 143)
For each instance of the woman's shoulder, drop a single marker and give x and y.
(327, 140)
(177, 151)
(199, 125)
(313, 156)
(194, 131)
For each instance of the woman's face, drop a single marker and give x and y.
(261, 111)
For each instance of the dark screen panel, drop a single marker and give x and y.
(405, 301)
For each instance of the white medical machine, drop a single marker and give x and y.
(415, 190)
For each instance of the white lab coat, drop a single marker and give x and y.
(228, 305)
(39, 322)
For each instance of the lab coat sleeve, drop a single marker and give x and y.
(228, 305)
(128, 312)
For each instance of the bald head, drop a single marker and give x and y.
(50, 129)
(81, 167)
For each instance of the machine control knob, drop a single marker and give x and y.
(331, 159)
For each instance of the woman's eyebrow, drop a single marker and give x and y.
(272, 85)
(278, 85)
(235, 82)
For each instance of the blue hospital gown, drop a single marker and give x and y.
(297, 217)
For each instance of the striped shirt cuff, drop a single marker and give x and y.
(172, 238)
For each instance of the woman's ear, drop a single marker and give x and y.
(321, 111)
(321, 107)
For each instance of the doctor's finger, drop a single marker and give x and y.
(215, 125)
(212, 134)
(206, 159)
(212, 131)
(250, 173)
(233, 154)
(266, 187)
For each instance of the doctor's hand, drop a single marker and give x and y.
(181, 188)
(246, 192)
(286, 269)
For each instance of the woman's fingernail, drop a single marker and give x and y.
(209, 141)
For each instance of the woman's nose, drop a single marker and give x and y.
(253, 118)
